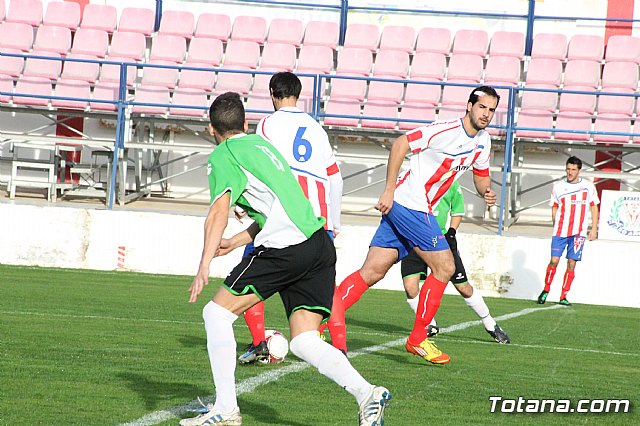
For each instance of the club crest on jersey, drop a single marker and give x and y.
(578, 242)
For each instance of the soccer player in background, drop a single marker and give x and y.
(414, 270)
(441, 151)
(572, 199)
(293, 256)
(305, 145)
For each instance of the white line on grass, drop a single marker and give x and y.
(249, 385)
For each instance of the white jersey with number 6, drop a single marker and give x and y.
(305, 145)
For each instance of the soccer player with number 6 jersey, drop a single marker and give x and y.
(572, 199)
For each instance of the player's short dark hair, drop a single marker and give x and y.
(575, 161)
(483, 91)
(285, 85)
(227, 113)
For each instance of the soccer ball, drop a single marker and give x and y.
(278, 346)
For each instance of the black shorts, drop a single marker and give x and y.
(304, 274)
(413, 265)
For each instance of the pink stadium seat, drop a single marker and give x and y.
(25, 12)
(205, 51)
(154, 95)
(423, 93)
(346, 88)
(354, 61)
(380, 109)
(3, 12)
(63, 14)
(623, 48)
(128, 45)
(104, 91)
(33, 86)
(551, 46)
(544, 71)
(612, 123)
(16, 36)
(416, 112)
(278, 56)
(574, 102)
(391, 63)
(11, 65)
(386, 91)
(43, 68)
(110, 73)
(362, 36)
(456, 95)
(234, 82)
(72, 89)
(249, 28)
(394, 37)
(582, 73)
(6, 85)
(534, 119)
(542, 101)
(99, 17)
(618, 105)
(242, 53)
(507, 43)
(315, 59)
(342, 107)
(90, 42)
(168, 48)
(586, 47)
(288, 31)
(179, 23)
(451, 112)
(83, 71)
(53, 39)
(261, 82)
(137, 20)
(261, 102)
(307, 85)
(573, 121)
(465, 67)
(620, 75)
(502, 70)
(200, 80)
(213, 25)
(428, 65)
(321, 33)
(499, 119)
(191, 97)
(471, 42)
(435, 40)
(160, 77)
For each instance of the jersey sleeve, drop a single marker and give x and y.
(594, 200)
(418, 139)
(225, 176)
(261, 128)
(553, 201)
(482, 161)
(457, 200)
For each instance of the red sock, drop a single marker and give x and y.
(566, 284)
(428, 304)
(548, 278)
(337, 324)
(254, 317)
(350, 290)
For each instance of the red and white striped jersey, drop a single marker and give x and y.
(441, 151)
(574, 201)
(305, 145)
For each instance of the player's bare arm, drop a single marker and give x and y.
(214, 226)
(554, 210)
(593, 234)
(396, 157)
(242, 238)
(483, 186)
(455, 222)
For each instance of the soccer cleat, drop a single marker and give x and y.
(212, 418)
(372, 409)
(564, 302)
(499, 335)
(543, 297)
(432, 330)
(255, 353)
(429, 351)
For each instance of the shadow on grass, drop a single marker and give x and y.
(193, 342)
(155, 394)
(262, 413)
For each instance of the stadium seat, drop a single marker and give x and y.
(154, 95)
(160, 77)
(502, 71)
(434, 40)
(213, 25)
(278, 56)
(83, 71)
(550, 46)
(499, 119)
(451, 112)
(457, 95)
(101, 17)
(620, 75)
(43, 68)
(168, 48)
(104, 91)
(573, 121)
(380, 109)
(191, 97)
(25, 12)
(63, 14)
(16, 36)
(415, 112)
(3, 11)
(249, 28)
(354, 61)
(612, 123)
(92, 42)
(507, 43)
(574, 102)
(543, 101)
(234, 82)
(395, 37)
(620, 105)
(362, 36)
(428, 65)
(53, 39)
(423, 93)
(307, 84)
(242, 53)
(315, 59)
(386, 91)
(544, 71)
(110, 73)
(72, 89)
(582, 73)
(471, 42)
(623, 49)
(260, 102)
(179, 23)
(339, 106)
(586, 47)
(539, 119)
(288, 31)
(38, 86)
(261, 81)
(200, 80)
(465, 67)
(205, 51)
(6, 85)
(321, 33)
(346, 88)
(128, 45)
(11, 65)
(392, 63)
(137, 20)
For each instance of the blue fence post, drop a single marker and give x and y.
(529, 36)
(344, 10)
(508, 149)
(119, 142)
(158, 14)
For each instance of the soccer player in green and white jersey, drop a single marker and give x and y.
(414, 270)
(294, 257)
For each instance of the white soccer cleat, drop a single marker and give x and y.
(372, 408)
(214, 418)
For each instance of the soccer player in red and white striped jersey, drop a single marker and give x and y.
(573, 200)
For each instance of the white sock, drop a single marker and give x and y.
(221, 344)
(331, 363)
(476, 302)
(413, 304)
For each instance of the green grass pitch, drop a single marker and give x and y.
(82, 347)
